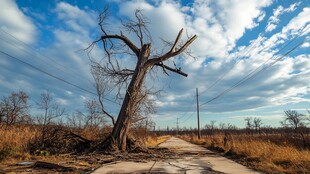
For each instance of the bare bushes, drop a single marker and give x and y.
(61, 139)
(19, 141)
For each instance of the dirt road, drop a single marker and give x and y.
(194, 159)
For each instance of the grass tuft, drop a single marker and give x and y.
(153, 141)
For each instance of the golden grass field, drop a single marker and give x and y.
(254, 151)
(15, 141)
(262, 155)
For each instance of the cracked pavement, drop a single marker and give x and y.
(193, 159)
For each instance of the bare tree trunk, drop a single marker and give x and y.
(120, 130)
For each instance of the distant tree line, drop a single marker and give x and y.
(293, 126)
(16, 110)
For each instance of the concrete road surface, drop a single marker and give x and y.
(195, 159)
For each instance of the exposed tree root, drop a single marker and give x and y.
(60, 140)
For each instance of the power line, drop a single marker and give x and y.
(48, 58)
(198, 117)
(188, 109)
(252, 74)
(249, 78)
(189, 116)
(31, 54)
(177, 126)
(53, 76)
(246, 53)
(281, 57)
(254, 71)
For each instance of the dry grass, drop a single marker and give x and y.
(153, 141)
(264, 156)
(15, 140)
(94, 133)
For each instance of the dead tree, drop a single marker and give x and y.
(51, 110)
(249, 125)
(131, 79)
(92, 119)
(211, 127)
(297, 120)
(294, 119)
(14, 108)
(257, 122)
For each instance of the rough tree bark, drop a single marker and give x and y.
(118, 138)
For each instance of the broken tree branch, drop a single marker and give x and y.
(178, 71)
(176, 41)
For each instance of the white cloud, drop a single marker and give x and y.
(299, 23)
(62, 102)
(76, 19)
(262, 117)
(67, 11)
(13, 20)
(72, 31)
(16, 84)
(244, 11)
(281, 84)
(216, 25)
(34, 14)
(218, 33)
(306, 45)
(213, 21)
(69, 92)
(261, 16)
(274, 20)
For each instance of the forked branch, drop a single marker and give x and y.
(173, 51)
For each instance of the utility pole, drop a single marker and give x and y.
(154, 127)
(177, 126)
(146, 124)
(198, 119)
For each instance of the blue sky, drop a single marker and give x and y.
(234, 38)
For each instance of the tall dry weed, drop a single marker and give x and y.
(154, 140)
(16, 139)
